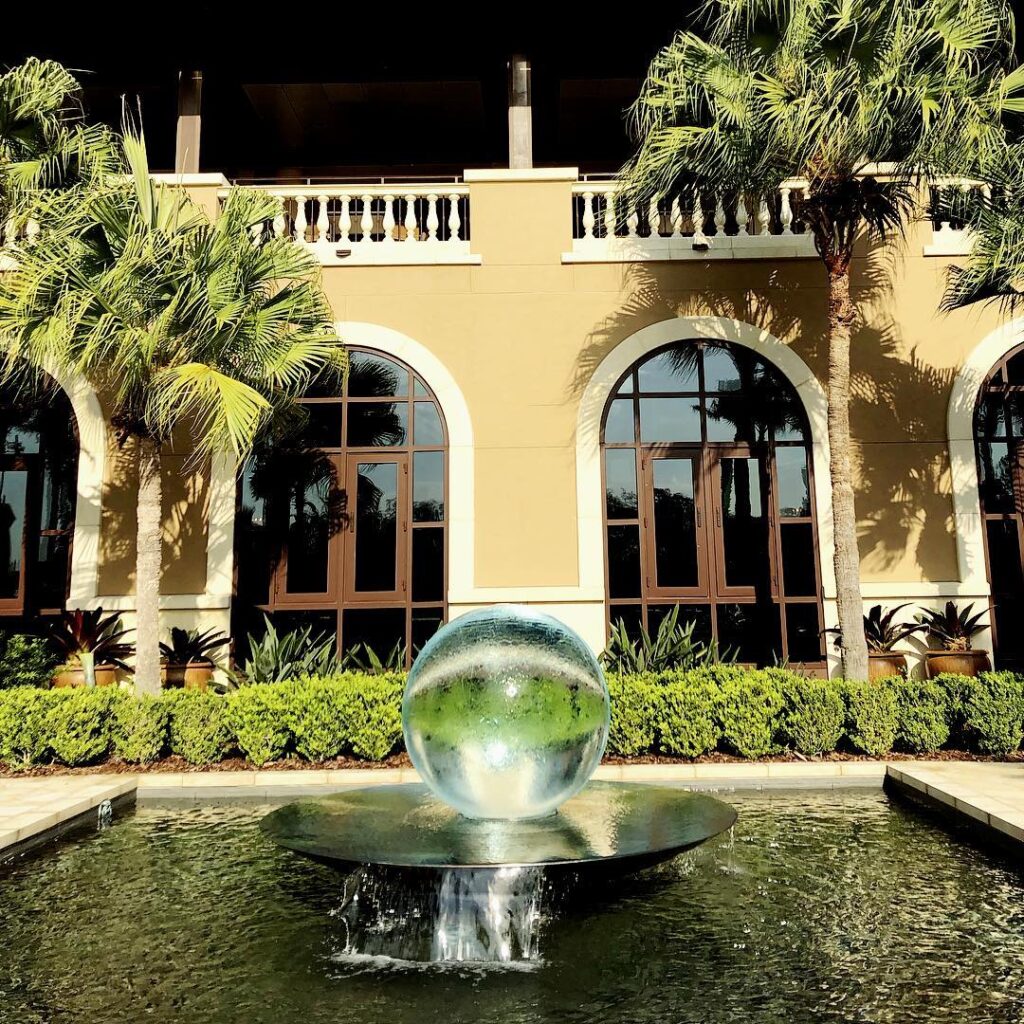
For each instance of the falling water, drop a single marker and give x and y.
(470, 915)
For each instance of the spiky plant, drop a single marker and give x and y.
(826, 91)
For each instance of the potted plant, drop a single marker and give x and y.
(91, 648)
(188, 662)
(953, 629)
(882, 634)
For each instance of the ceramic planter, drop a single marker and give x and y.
(883, 664)
(961, 663)
(196, 675)
(106, 675)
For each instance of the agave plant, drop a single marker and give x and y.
(954, 628)
(882, 632)
(364, 658)
(79, 632)
(188, 646)
(672, 646)
(275, 657)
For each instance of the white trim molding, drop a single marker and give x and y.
(970, 535)
(461, 515)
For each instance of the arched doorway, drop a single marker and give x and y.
(708, 481)
(344, 528)
(39, 455)
(999, 449)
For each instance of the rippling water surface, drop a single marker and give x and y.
(838, 907)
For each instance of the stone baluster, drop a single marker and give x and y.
(698, 214)
(388, 220)
(677, 218)
(323, 223)
(610, 220)
(632, 219)
(588, 215)
(300, 219)
(366, 219)
(345, 220)
(719, 217)
(654, 218)
(741, 214)
(786, 212)
(432, 219)
(31, 230)
(280, 221)
(454, 217)
(764, 218)
(409, 221)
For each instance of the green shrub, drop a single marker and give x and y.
(922, 708)
(258, 719)
(686, 714)
(79, 724)
(24, 725)
(872, 716)
(25, 660)
(634, 707)
(370, 706)
(198, 728)
(750, 709)
(987, 712)
(812, 721)
(315, 719)
(138, 731)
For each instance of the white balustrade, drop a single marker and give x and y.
(373, 224)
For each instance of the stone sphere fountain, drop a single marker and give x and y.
(505, 716)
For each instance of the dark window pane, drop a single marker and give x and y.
(630, 614)
(675, 534)
(744, 523)
(51, 575)
(750, 632)
(377, 424)
(798, 576)
(996, 480)
(309, 531)
(1015, 410)
(729, 419)
(669, 419)
(380, 629)
(990, 420)
(1015, 369)
(1004, 557)
(1008, 616)
(721, 372)
(427, 487)
(623, 561)
(675, 369)
(803, 633)
(252, 542)
(376, 526)
(370, 376)
(620, 483)
(618, 426)
(791, 471)
(320, 624)
(425, 623)
(426, 424)
(698, 614)
(322, 427)
(428, 564)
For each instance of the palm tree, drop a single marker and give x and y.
(198, 329)
(825, 91)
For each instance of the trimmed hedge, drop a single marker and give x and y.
(679, 713)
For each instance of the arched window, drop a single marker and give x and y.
(999, 443)
(709, 503)
(344, 529)
(38, 491)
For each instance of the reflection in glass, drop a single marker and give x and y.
(720, 370)
(428, 564)
(794, 492)
(425, 623)
(377, 424)
(675, 535)
(996, 476)
(380, 629)
(751, 633)
(1004, 559)
(13, 492)
(620, 483)
(669, 419)
(1015, 369)
(372, 376)
(990, 420)
(623, 561)
(309, 531)
(426, 424)
(803, 632)
(322, 428)
(626, 387)
(419, 390)
(630, 614)
(744, 523)
(618, 426)
(698, 614)
(798, 572)
(675, 369)
(376, 526)
(427, 487)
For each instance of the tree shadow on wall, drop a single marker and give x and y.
(903, 501)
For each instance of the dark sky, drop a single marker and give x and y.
(362, 89)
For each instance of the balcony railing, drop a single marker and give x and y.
(376, 224)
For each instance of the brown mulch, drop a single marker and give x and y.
(239, 764)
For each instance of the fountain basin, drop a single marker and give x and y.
(622, 825)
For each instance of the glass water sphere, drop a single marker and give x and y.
(505, 713)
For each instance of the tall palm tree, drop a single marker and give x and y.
(825, 90)
(192, 328)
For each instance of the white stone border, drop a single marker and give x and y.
(589, 498)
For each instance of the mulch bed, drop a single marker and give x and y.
(239, 764)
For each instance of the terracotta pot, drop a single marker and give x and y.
(172, 675)
(961, 663)
(106, 675)
(196, 675)
(884, 664)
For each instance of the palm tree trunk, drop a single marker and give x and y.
(147, 570)
(849, 604)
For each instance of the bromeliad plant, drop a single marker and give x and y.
(881, 630)
(952, 628)
(672, 646)
(189, 646)
(79, 633)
